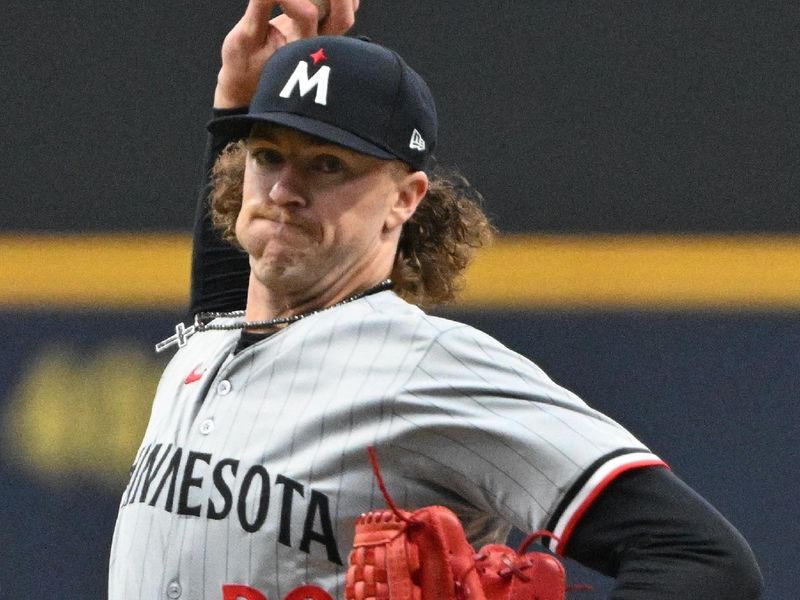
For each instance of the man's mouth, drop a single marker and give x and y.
(290, 222)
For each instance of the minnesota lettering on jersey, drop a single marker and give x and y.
(163, 476)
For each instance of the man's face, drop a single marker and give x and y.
(314, 213)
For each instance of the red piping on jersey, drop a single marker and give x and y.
(581, 510)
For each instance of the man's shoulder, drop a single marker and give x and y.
(392, 311)
(391, 308)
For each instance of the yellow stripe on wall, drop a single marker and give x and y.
(671, 272)
(639, 272)
(94, 271)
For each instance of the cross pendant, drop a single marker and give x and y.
(182, 333)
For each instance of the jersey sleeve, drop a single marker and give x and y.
(220, 272)
(507, 438)
(660, 539)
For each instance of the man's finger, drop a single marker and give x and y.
(304, 15)
(341, 16)
(255, 20)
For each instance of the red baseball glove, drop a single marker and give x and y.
(425, 555)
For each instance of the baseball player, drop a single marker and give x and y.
(326, 218)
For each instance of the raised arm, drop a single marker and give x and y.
(220, 272)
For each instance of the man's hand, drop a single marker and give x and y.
(256, 37)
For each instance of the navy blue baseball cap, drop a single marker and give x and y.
(347, 91)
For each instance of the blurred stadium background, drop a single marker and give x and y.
(642, 160)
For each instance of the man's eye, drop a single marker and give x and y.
(328, 163)
(266, 156)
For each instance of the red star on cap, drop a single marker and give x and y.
(318, 56)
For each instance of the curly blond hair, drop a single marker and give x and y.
(436, 243)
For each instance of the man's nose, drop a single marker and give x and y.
(288, 186)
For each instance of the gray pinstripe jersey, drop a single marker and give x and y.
(253, 467)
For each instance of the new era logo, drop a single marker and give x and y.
(417, 141)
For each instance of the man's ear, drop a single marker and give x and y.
(411, 189)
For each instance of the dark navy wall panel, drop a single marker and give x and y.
(569, 116)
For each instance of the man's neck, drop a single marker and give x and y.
(263, 303)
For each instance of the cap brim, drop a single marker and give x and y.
(239, 126)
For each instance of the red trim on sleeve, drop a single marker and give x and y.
(581, 510)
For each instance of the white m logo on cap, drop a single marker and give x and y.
(300, 76)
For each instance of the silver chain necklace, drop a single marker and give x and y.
(202, 321)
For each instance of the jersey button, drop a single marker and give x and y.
(207, 426)
(174, 590)
(224, 387)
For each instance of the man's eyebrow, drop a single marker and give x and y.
(261, 136)
(319, 143)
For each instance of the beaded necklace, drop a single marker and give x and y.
(203, 320)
